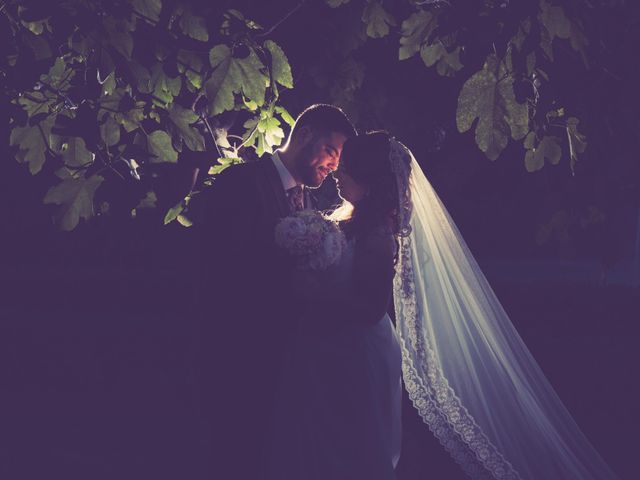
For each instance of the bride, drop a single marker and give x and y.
(464, 366)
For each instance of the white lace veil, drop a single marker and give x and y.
(466, 369)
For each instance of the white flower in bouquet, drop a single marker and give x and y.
(315, 241)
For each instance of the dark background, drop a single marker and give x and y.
(96, 326)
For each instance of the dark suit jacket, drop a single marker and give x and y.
(246, 312)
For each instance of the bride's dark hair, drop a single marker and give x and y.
(366, 158)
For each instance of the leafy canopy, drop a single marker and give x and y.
(111, 92)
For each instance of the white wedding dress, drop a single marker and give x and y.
(465, 368)
(337, 412)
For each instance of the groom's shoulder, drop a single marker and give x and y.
(233, 177)
(241, 172)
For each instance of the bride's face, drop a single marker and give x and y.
(348, 188)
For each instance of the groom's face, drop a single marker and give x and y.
(319, 157)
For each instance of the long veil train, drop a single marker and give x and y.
(466, 369)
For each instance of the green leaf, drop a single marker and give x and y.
(488, 96)
(106, 65)
(377, 20)
(148, 8)
(80, 43)
(554, 114)
(234, 75)
(553, 23)
(531, 163)
(223, 164)
(173, 212)
(265, 131)
(530, 140)
(280, 68)
(190, 64)
(286, 116)
(430, 54)
(131, 119)
(273, 134)
(75, 153)
(251, 132)
(140, 76)
(184, 220)
(524, 29)
(35, 103)
(250, 104)
(194, 26)
(148, 202)
(248, 72)
(132, 164)
(164, 87)
(182, 118)
(109, 131)
(548, 149)
(159, 144)
(109, 85)
(229, 160)
(235, 20)
(436, 53)
(35, 27)
(58, 75)
(554, 20)
(221, 138)
(75, 196)
(219, 55)
(414, 31)
(118, 35)
(39, 46)
(577, 141)
(32, 143)
(449, 63)
(220, 86)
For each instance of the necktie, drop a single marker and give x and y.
(296, 198)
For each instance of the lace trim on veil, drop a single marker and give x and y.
(429, 391)
(434, 399)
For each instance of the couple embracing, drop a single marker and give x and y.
(301, 367)
(302, 373)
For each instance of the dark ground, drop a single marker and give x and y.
(96, 386)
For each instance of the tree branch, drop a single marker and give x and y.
(282, 20)
(46, 141)
(60, 93)
(213, 137)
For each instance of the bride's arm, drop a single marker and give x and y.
(368, 299)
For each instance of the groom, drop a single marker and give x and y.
(247, 313)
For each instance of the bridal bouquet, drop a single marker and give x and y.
(313, 240)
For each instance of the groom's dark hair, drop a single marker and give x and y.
(324, 118)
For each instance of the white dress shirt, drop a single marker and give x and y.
(287, 179)
(285, 176)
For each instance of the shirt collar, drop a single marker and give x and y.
(285, 176)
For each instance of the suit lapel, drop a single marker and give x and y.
(272, 193)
